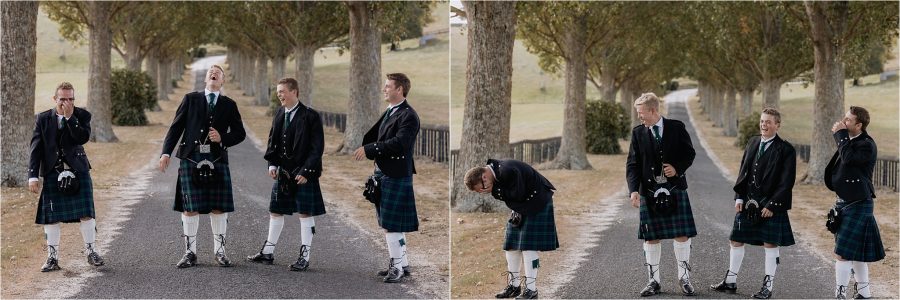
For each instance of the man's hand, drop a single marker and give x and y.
(766, 213)
(214, 135)
(738, 207)
(163, 163)
(669, 170)
(273, 173)
(300, 179)
(838, 126)
(360, 153)
(635, 199)
(34, 186)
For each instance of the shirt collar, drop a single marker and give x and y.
(856, 136)
(398, 104)
(206, 93)
(489, 167)
(293, 108)
(660, 122)
(766, 140)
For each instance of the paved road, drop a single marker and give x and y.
(141, 261)
(614, 268)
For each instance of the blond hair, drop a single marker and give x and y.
(648, 99)
(473, 177)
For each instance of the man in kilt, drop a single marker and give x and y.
(849, 175)
(531, 227)
(659, 155)
(207, 123)
(390, 143)
(763, 187)
(294, 153)
(57, 151)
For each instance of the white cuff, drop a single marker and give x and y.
(166, 155)
(272, 168)
(738, 201)
(33, 179)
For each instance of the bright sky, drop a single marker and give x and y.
(456, 20)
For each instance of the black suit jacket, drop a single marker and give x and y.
(520, 186)
(643, 161)
(47, 137)
(392, 146)
(191, 124)
(849, 173)
(778, 172)
(306, 147)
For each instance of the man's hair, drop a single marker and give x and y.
(401, 80)
(290, 83)
(862, 115)
(65, 85)
(773, 112)
(220, 69)
(648, 99)
(473, 177)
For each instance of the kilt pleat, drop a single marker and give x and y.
(680, 223)
(55, 207)
(774, 230)
(859, 239)
(307, 200)
(193, 198)
(537, 233)
(397, 210)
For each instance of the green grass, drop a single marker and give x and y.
(51, 46)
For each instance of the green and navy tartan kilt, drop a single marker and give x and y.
(192, 198)
(397, 210)
(773, 230)
(306, 200)
(858, 239)
(54, 207)
(537, 233)
(680, 223)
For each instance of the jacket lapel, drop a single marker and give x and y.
(298, 121)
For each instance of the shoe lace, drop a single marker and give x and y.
(857, 288)
(841, 292)
(687, 268)
(188, 242)
(221, 249)
(51, 251)
(304, 251)
(266, 244)
(651, 272)
(767, 282)
(511, 277)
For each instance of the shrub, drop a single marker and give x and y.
(607, 122)
(274, 103)
(132, 92)
(747, 127)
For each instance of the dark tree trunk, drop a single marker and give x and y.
(572, 150)
(365, 73)
(304, 58)
(99, 102)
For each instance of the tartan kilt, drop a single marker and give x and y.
(680, 223)
(397, 210)
(192, 198)
(537, 233)
(774, 230)
(307, 200)
(859, 239)
(55, 207)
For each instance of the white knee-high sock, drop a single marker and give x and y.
(219, 224)
(683, 257)
(532, 263)
(88, 233)
(841, 274)
(651, 254)
(307, 231)
(772, 255)
(275, 226)
(514, 265)
(403, 242)
(190, 225)
(734, 264)
(861, 275)
(393, 243)
(52, 234)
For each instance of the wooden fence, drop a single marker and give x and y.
(885, 167)
(432, 141)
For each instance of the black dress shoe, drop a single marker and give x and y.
(528, 294)
(858, 296)
(763, 293)
(687, 288)
(509, 292)
(187, 261)
(260, 257)
(223, 260)
(300, 265)
(724, 287)
(394, 275)
(94, 259)
(406, 272)
(651, 289)
(51, 265)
